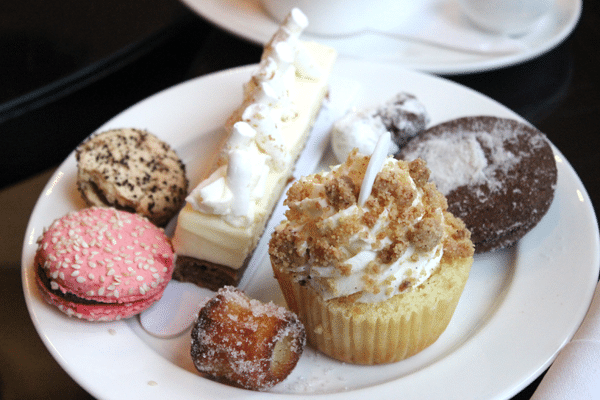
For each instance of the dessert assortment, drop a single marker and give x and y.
(113, 260)
(103, 264)
(244, 342)
(225, 215)
(131, 170)
(368, 277)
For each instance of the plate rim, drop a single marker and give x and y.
(238, 25)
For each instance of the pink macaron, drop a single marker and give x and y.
(102, 264)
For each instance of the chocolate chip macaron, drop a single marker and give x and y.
(498, 175)
(132, 170)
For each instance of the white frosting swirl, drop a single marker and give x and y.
(358, 129)
(362, 252)
(354, 273)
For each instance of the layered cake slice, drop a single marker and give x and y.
(225, 215)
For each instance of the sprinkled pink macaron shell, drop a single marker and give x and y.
(106, 255)
(97, 312)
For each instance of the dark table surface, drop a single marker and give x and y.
(66, 67)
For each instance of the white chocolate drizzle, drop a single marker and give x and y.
(375, 163)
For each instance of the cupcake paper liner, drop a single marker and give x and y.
(378, 333)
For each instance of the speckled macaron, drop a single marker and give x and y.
(132, 170)
(102, 264)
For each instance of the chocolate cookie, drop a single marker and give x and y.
(131, 170)
(499, 175)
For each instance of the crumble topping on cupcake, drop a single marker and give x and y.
(395, 242)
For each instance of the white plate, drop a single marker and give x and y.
(247, 19)
(520, 306)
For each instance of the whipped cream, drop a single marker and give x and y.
(358, 267)
(458, 158)
(289, 32)
(230, 189)
(362, 247)
(404, 116)
(358, 129)
(255, 145)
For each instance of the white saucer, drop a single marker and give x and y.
(519, 308)
(247, 19)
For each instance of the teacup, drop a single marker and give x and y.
(510, 17)
(338, 17)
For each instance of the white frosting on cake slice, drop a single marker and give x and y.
(226, 214)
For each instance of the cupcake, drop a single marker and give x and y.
(374, 281)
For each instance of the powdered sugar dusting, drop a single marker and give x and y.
(258, 308)
(245, 342)
(453, 162)
(323, 376)
(470, 157)
(498, 175)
